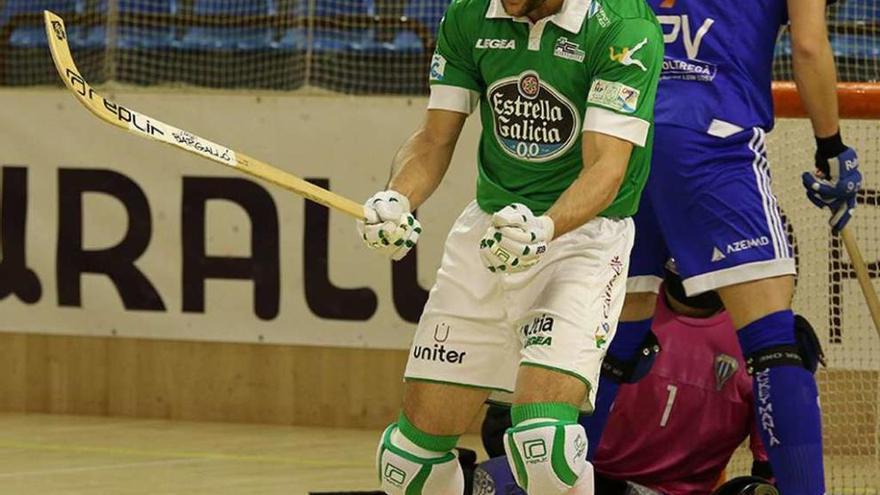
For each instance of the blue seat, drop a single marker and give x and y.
(856, 11)
(783, 45)
(335, 8)
(147, 6)
(233, 7)
(213, 38)
(294, 40)
(134, 35)
(33, 35)
(333, 39)
(60, 7)
(243, 37)
(855, 46)
(428, 12)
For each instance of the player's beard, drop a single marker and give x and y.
(521, 8)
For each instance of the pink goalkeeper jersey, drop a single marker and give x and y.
(675, 430)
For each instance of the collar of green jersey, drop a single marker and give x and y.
(570, 17)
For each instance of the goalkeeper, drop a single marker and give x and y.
(674, 429)
(709, 197)
(566, 96)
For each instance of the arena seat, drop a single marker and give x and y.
(135, 34)
(327, 39)
(245, 37)
(428, 12)
(854, 46)
(856, 11)
(32, 34)
(407, 41)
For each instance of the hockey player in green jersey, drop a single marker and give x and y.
(534, 271)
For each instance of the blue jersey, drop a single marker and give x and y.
(718, 63)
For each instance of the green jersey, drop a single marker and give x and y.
(593, 66)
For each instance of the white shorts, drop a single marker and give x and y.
(478, 327)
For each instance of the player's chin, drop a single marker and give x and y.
(515, 8)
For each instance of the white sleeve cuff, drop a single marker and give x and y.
(628, 128)
(453, 98)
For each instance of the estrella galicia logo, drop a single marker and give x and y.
(532, 120)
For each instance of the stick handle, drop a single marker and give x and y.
(150, 128)
(855, 256)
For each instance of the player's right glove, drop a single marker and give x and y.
(390, 226)
(837, 193)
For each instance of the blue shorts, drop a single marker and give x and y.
(708, 205)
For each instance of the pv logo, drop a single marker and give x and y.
(689, 67)
(681, 25)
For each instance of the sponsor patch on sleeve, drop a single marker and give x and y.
(614, 95)
(438, 67)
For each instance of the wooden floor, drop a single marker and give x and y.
(65, 455)
(48, 454)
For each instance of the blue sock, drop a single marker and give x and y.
(787, 409)
(624, 346)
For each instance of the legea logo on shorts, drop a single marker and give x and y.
(535, 332)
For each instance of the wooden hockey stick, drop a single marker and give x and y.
(148, 127)
(858, 263)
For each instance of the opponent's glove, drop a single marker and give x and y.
(837, 194)
(389, 227)
(516, 239)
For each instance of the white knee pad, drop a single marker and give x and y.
(549, 457)
(406, 469)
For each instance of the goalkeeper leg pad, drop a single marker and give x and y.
(407, 467)
(549, 457)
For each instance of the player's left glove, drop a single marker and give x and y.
(834, 185)
(516, 239)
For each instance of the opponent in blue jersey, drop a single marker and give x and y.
(709, 202)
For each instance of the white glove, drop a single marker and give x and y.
(389, 227)
(516, 239)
